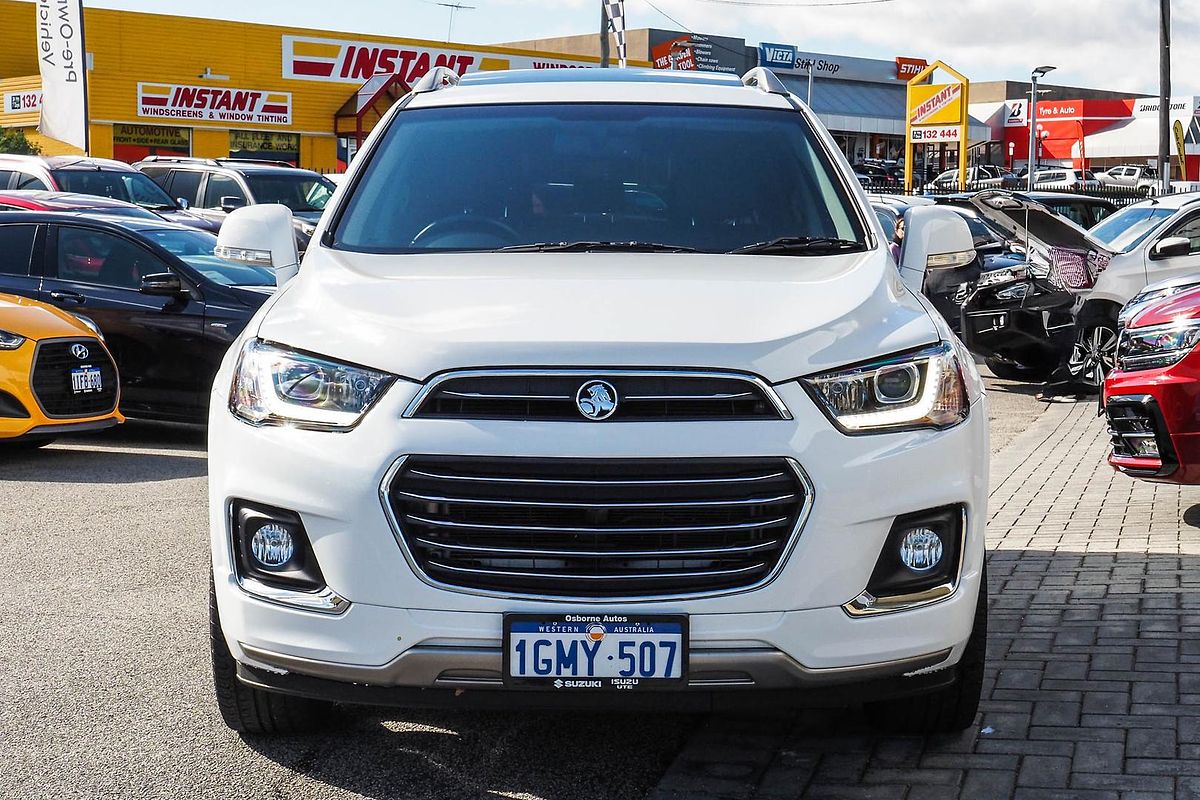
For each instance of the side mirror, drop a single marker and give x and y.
(261, 236)
(230, 203)
(183, 203)
(934, 238)
(1171, 247)
(164, 284)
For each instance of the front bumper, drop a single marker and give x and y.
(399, 631)
(1168, 399)
(1032, 332)
(22, 416)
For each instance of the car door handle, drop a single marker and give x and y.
(67, 297)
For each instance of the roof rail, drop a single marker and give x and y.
(437, 78)
(212, 162)
(764, 80)
(266, 161)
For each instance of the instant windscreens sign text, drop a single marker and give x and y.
(211, 104)
(308, 58)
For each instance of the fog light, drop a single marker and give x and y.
(272, 545)
(921, 549)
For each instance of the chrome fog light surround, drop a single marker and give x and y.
(896, 585)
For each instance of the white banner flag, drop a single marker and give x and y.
(63, 65)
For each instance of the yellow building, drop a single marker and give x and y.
(173, 85)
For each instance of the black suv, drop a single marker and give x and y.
(212, 187)
(167, 306)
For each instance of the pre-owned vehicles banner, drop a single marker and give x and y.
(62, 62)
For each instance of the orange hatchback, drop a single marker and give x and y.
(56, 375)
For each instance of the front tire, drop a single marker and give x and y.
(249, 710)
(1094, 353)
(951, 708)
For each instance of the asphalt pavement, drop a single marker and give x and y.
(104, 673)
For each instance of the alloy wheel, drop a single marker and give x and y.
(1093, 355)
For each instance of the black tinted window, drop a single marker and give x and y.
(30, 182)
(90, 256)
(5, 176)
(16, 248)
(704, 177)
(185, 184)
(221, 186)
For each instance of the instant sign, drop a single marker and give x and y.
(938, 104)
(214, 104)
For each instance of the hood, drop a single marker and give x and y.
(191, 220)
(35, 320)
(1180, 307)
(1024, 220)
(776, 316)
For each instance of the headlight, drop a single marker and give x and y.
(92, 326)
(273, 386)
(923, 389)
(10, 341)
(1156, 345)
(1017, 291)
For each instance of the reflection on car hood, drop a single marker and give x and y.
(776, 316)
(35, 320)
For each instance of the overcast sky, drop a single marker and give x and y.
(1108, 44)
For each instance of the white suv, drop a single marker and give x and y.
(598, 387)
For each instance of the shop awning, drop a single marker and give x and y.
(363, 109)
(862, 107)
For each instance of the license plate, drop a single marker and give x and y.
(595, 651)
(85, 380)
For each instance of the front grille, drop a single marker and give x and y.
(597, 528)
(51, 380)
(640, 397)
(1132, 420)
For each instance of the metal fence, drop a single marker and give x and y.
(1118, 196)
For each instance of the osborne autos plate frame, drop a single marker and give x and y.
(581, 651)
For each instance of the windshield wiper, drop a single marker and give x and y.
(807, 245)
(595, 247)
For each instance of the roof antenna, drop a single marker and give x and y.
(454, 8)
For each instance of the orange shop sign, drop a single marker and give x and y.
(909, 68)
(213, 104)
(309, 58)
(937, 104)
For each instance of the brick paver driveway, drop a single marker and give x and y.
(1093, 686)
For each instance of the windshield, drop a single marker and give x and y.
(480, 178)
(298, 191)
(1127, 228)
(132, 187)
(195, 248)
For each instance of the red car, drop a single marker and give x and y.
(71, 202)
(1152, 398)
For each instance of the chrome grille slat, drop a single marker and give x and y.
(565, 482)
(742, 526)
(752, 501)
(642, 396)
(662, 554)
(555, 527)
(612, 577)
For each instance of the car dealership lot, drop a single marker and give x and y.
(105, 692)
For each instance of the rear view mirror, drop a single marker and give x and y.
(183, 203)
(232, 202)
(165, 284)
(1171, 247)
(934, 238)
(261, 236)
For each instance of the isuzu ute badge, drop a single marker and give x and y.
(596, 400)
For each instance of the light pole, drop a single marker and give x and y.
(1033, 99)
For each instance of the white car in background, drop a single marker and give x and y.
(545, 419)
(1066, 179)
